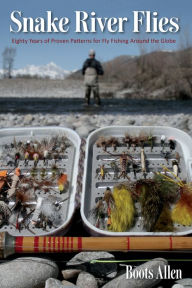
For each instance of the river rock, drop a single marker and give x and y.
(185, 282)
(52, 122)
(30, 272)
(122, 282)
(86, 280)
(84, 129)
(99, 270)
(181, 122)
(68, 284)
(28, 118)
(103, 270)
(70, 273)
(67, 124)
(190, 124)
(54, 283)
(84, 257)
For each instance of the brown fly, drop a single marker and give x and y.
(113, 142)
(127, 140)
(124, 160)
(102, 143)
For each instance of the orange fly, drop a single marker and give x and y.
(3, 175)
(62, 181)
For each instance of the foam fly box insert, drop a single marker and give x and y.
(116, 155)
(38, 179)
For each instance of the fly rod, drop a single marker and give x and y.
(50, 244)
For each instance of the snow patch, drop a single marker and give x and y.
(50, 70)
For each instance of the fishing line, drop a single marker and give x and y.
(136, 260)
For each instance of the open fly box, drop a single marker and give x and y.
(132, 154)
(38, 178)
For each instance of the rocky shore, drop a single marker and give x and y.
(86, 123)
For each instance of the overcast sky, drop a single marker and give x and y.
(71, 56)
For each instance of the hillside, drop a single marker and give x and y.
(156, 75)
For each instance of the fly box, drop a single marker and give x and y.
(137, 182)
(38, 179)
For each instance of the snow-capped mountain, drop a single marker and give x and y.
(50, 70)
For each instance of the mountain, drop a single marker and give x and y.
(50, 70)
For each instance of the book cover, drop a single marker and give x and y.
(103, 91)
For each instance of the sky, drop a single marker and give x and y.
(71, 56)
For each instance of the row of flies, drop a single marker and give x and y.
(126, 160)
(46, 149)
